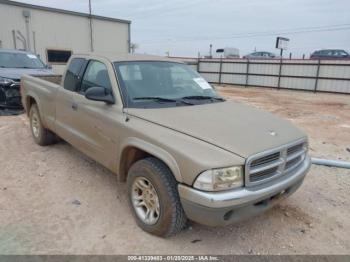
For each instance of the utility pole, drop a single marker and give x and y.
(90, 23)
(26, 15)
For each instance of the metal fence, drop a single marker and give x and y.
(313, 75)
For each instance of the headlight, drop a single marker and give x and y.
(5, 81)
(220, 179)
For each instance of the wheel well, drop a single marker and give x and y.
(130, 155)
(29, 102)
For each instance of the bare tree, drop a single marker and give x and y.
(133, 47)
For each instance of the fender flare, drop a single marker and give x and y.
(31, 94)
(36, 98)
(154, 150)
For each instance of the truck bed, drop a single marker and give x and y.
(42, 90)
(56, 79)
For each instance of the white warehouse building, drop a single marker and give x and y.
(55, 34)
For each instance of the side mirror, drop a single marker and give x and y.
(99, 93)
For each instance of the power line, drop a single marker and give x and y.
(293, 29)
(300, 30)
(160, 11)
(293, 32)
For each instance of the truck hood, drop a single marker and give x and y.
(17, 73)
(232, 126)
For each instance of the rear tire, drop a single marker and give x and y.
(41, 135)
(152, 186)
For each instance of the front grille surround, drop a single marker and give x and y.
(10, 96)
(274, 163)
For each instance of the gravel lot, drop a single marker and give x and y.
(54, 200)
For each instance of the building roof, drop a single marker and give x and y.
(62, 11)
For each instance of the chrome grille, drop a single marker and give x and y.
(292, 162)
(295, 148)
(274, 163)
(265, 159)
(263, 174)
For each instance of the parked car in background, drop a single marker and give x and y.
(13, 65)
(330, 54)
(228, 52)
(184, 151)
(261, 55)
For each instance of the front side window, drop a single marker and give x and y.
(340, 53)
(96, 74)
(20, 60)
(155, 84)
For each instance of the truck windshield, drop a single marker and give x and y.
(162, 84)
(20, 60)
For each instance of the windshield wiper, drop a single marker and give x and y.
(156, 98)
(204, 98)
(161, 99)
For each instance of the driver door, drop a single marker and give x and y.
(94, 119)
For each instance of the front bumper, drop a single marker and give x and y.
(222, 208)
(10, 96)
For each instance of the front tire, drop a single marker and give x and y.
(154, 198)
(41, 135)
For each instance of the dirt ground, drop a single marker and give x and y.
(54, 200)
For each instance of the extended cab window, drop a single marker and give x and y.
(73, 75)
(96, 74)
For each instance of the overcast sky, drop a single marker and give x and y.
(186, 27)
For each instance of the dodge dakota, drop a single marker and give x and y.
(183, 150)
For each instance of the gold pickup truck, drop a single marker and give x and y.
(184, 151)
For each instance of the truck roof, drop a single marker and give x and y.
(128, 57)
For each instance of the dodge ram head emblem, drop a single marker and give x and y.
(273, 133)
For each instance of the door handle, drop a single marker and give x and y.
(75, 106)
